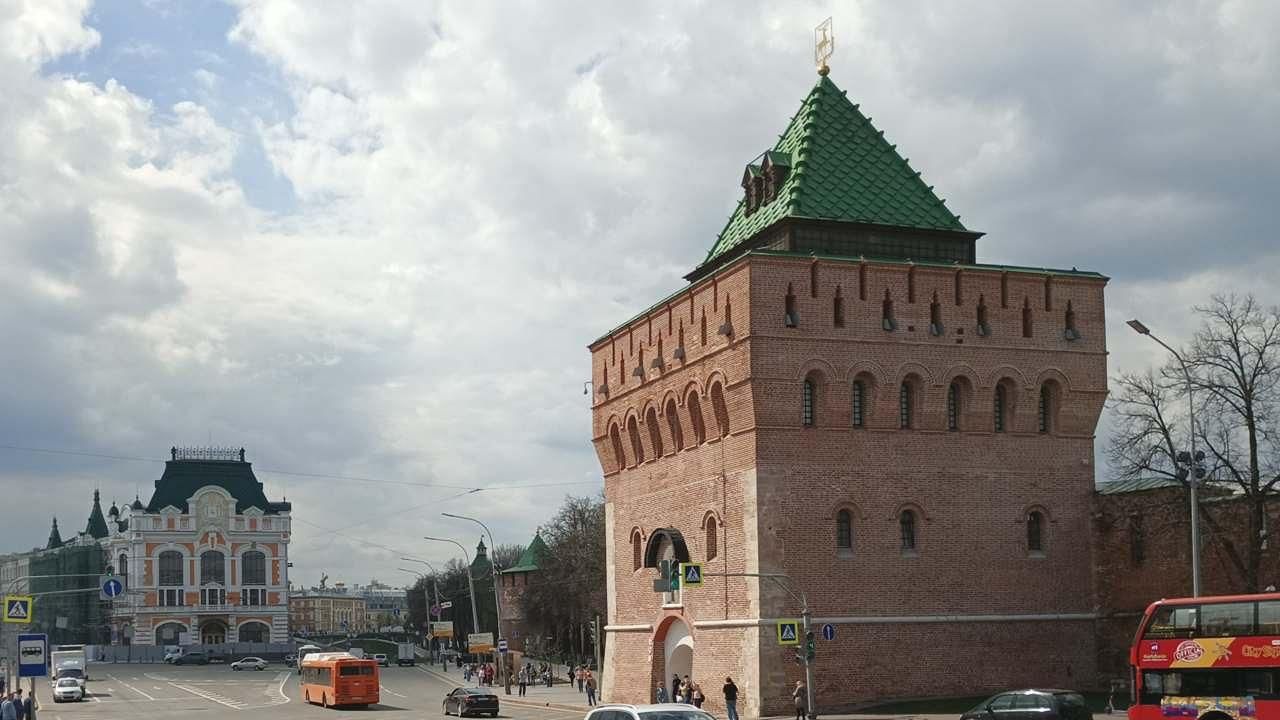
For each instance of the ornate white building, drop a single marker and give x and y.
(206, 559)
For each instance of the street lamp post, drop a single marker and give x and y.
(431, 602)
(471, 582)
(497, 594)
(1192, 460)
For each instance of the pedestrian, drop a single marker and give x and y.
(522, 678)
(582, 677)
(675, 688)
(800, 696)
(697, 696)
(660, 697)
(19, 708)
(590, 682)
(7, 711)
(686, 691)
(730, 699)
(29, 706)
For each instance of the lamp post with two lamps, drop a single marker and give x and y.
(1191, 460)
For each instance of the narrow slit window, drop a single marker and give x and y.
(958, 289)
(886, 312)
(1026, 319)
(844, 530)
(904, 406)
(1035, 532)
(862, 282)
(953, 407)
(999, 408)
(859, 400)
(712, 538)
(813, 280)
(807, 403)
(907, 530)
(1043, 409)
(837, 309)
(911, 285)
(984, 329)
(673, 425)
(789, 318)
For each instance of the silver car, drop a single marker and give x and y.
(249, 663)
(668, 711)
(67, 690)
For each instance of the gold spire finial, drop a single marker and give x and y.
(824, 44)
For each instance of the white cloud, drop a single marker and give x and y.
(483, 190)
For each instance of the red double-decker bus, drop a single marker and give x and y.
(1209, 658)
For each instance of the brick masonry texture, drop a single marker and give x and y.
(773, 485)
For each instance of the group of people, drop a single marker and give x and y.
(530, 675)
(586, 683)
(13, 706)
(483, 674)
(684, 690)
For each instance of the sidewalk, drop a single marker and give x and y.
(561, 696)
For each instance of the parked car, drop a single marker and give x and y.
(249, 663)
(383, 660)
(172, 655)
(472, 701)
(67, 690)
(192, 657)
(1032, 705)
(670, 711)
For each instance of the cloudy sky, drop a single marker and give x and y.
(372, 239)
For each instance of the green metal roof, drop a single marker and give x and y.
(532, 555)
(842, 169)
(183, 478)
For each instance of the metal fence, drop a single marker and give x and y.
(272, 652)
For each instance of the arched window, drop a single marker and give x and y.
(953, 406)
(253, 632)
(655, 432)
(633, 434)
(167, 634)
(806, 402)
(673, 424)
(637, 551)
(859, 403)
(999, 409)
(907, 530)
(615, 439)
(213, 568)
(720, 409)
(695, 418)
(844, 530)
(253, 568)
(1044, 409)
(171, 568)
(123, 568)
(1035, 532)
(713, 537)
(904, 405)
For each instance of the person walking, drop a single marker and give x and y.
(19, 708)
(730, 699)
(582, 677)
(29, 706)
(660, 697)
(590, 683)
(675, 688)
(522, 678)
(800, 696)
(696, 696)
(7, 711)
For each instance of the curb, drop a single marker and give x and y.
(552, 705)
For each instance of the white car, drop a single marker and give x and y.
(669, 711)
(67, 689)
(382, 659)
(249, 663)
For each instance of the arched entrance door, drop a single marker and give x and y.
(677, 652)
(213, 632)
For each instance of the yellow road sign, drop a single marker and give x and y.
(17, 608)
(788, 632)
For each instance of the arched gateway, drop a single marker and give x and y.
(672, 652)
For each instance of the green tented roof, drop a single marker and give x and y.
(97, 525)
(531, 557)
(842, 169)
(183, 478)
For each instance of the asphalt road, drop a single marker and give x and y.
(164, 692)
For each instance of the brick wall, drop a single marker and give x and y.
(775, 485)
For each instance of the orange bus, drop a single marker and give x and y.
(334, 679)
(1208, 658)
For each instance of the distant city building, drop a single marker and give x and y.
(328, 611)
(205, 559)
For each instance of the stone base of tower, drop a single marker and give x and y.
(866, 663)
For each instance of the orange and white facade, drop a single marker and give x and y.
(206, 560)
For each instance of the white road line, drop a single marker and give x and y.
(143, 694)
(389, 690)
(214, 697)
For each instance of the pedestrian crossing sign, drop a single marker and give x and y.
(17, 608)
(691, 574)
(788, 632)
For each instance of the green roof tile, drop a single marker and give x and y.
(842, 169)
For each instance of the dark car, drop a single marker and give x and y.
(193, 657)
(1032, 705)
(471, 701)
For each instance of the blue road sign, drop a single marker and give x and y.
(828, 632)
(112, 587)
(33, 651)
(395, 611)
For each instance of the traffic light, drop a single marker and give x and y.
(675, 578)
(810, 646)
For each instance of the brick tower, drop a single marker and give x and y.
(843, 394)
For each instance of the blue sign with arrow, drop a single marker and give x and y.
(110, 587)
(828, 632)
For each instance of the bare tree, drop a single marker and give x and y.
(1234, 363)
(568, 590)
